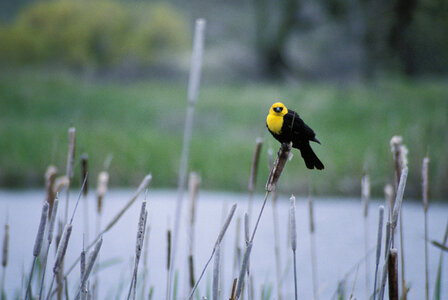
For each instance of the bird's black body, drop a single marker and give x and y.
(296, 131)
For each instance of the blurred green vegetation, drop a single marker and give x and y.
(93, 34)
(141, 124)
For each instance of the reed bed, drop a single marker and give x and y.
(246, 285)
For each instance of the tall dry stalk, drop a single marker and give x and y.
(400, 153)
(378, 247)
(84, 174)
(70, 163)
(392, 227)
(313, 249)
(365, 197)
(425, 197)
(193, 92)
(218, 241)
(393, 274)
(50, 231)
(5, 249)
(37, 245)
(216, 272)
(271, 185)
(253, 174)
(276, 232)
(89, 266)
(138, 249)
(293, 232)
(194, 182)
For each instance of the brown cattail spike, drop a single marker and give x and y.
(5, 246)
(254, 166)
(84, 172)
(71, 151)
(279, 164)
(50, 177)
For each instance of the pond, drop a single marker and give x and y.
(340, 243)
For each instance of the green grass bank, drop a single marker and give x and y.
(141, 125)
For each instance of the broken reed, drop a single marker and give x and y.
(194, 81)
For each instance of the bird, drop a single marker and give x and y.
(286, 126)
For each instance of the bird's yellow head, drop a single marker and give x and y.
(278, 109)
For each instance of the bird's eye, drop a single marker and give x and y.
(278, 109)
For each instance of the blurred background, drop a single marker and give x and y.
(357, 72)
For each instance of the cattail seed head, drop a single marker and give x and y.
(168, 257)
(365, 193)
(292, 223)
(84, 173)
(50, 176)
(71, 151)
(311, 213)
(53, 220)
(62, 248)
(279, 164)
(425, 183)
(41, 230)
(254, 166)
(5, 246)
(194, 182)
(103, 180)
(59, 183)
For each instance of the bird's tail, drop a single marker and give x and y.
(310, 158)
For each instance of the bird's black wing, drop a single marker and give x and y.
(297, 127)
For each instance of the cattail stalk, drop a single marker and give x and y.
(168, 262)
(193, 92)
(138, 248)
(393, 274)
(218, 241)
(313, 250)
(89, 266)
(37, 246)
(393, 225)
(438, 285)
(253, 173)
(365, 197)
(233, 292)
(70, 162)
(271, 185)
(237, 252)
(378, 247)
(247, 241)
(293, 232)
(216, 272)
(425, 197)
(49, 241)
(84, 174)
(193, 187)
(4, 257)
(50, 177)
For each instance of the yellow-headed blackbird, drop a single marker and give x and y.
(286, 126)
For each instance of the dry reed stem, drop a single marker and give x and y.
(425, 198)
(392, 226)
(233, 292)
(365, 197)
(247, 241)
(138, 248)
(293, 232)
(103, 181)
(244, 267)
(194, 182)
(393, 274)
(82, 272)
(253, 173)
(49, 241)
(50, 176)
(37, 245)
(5, 256)
(84, 175)
(216, 272)
(403, 164)
(313, 250)
(378, 246)
(276, 245)
(218, 241)
(237, 251)
(193, 92)
(70, 162)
